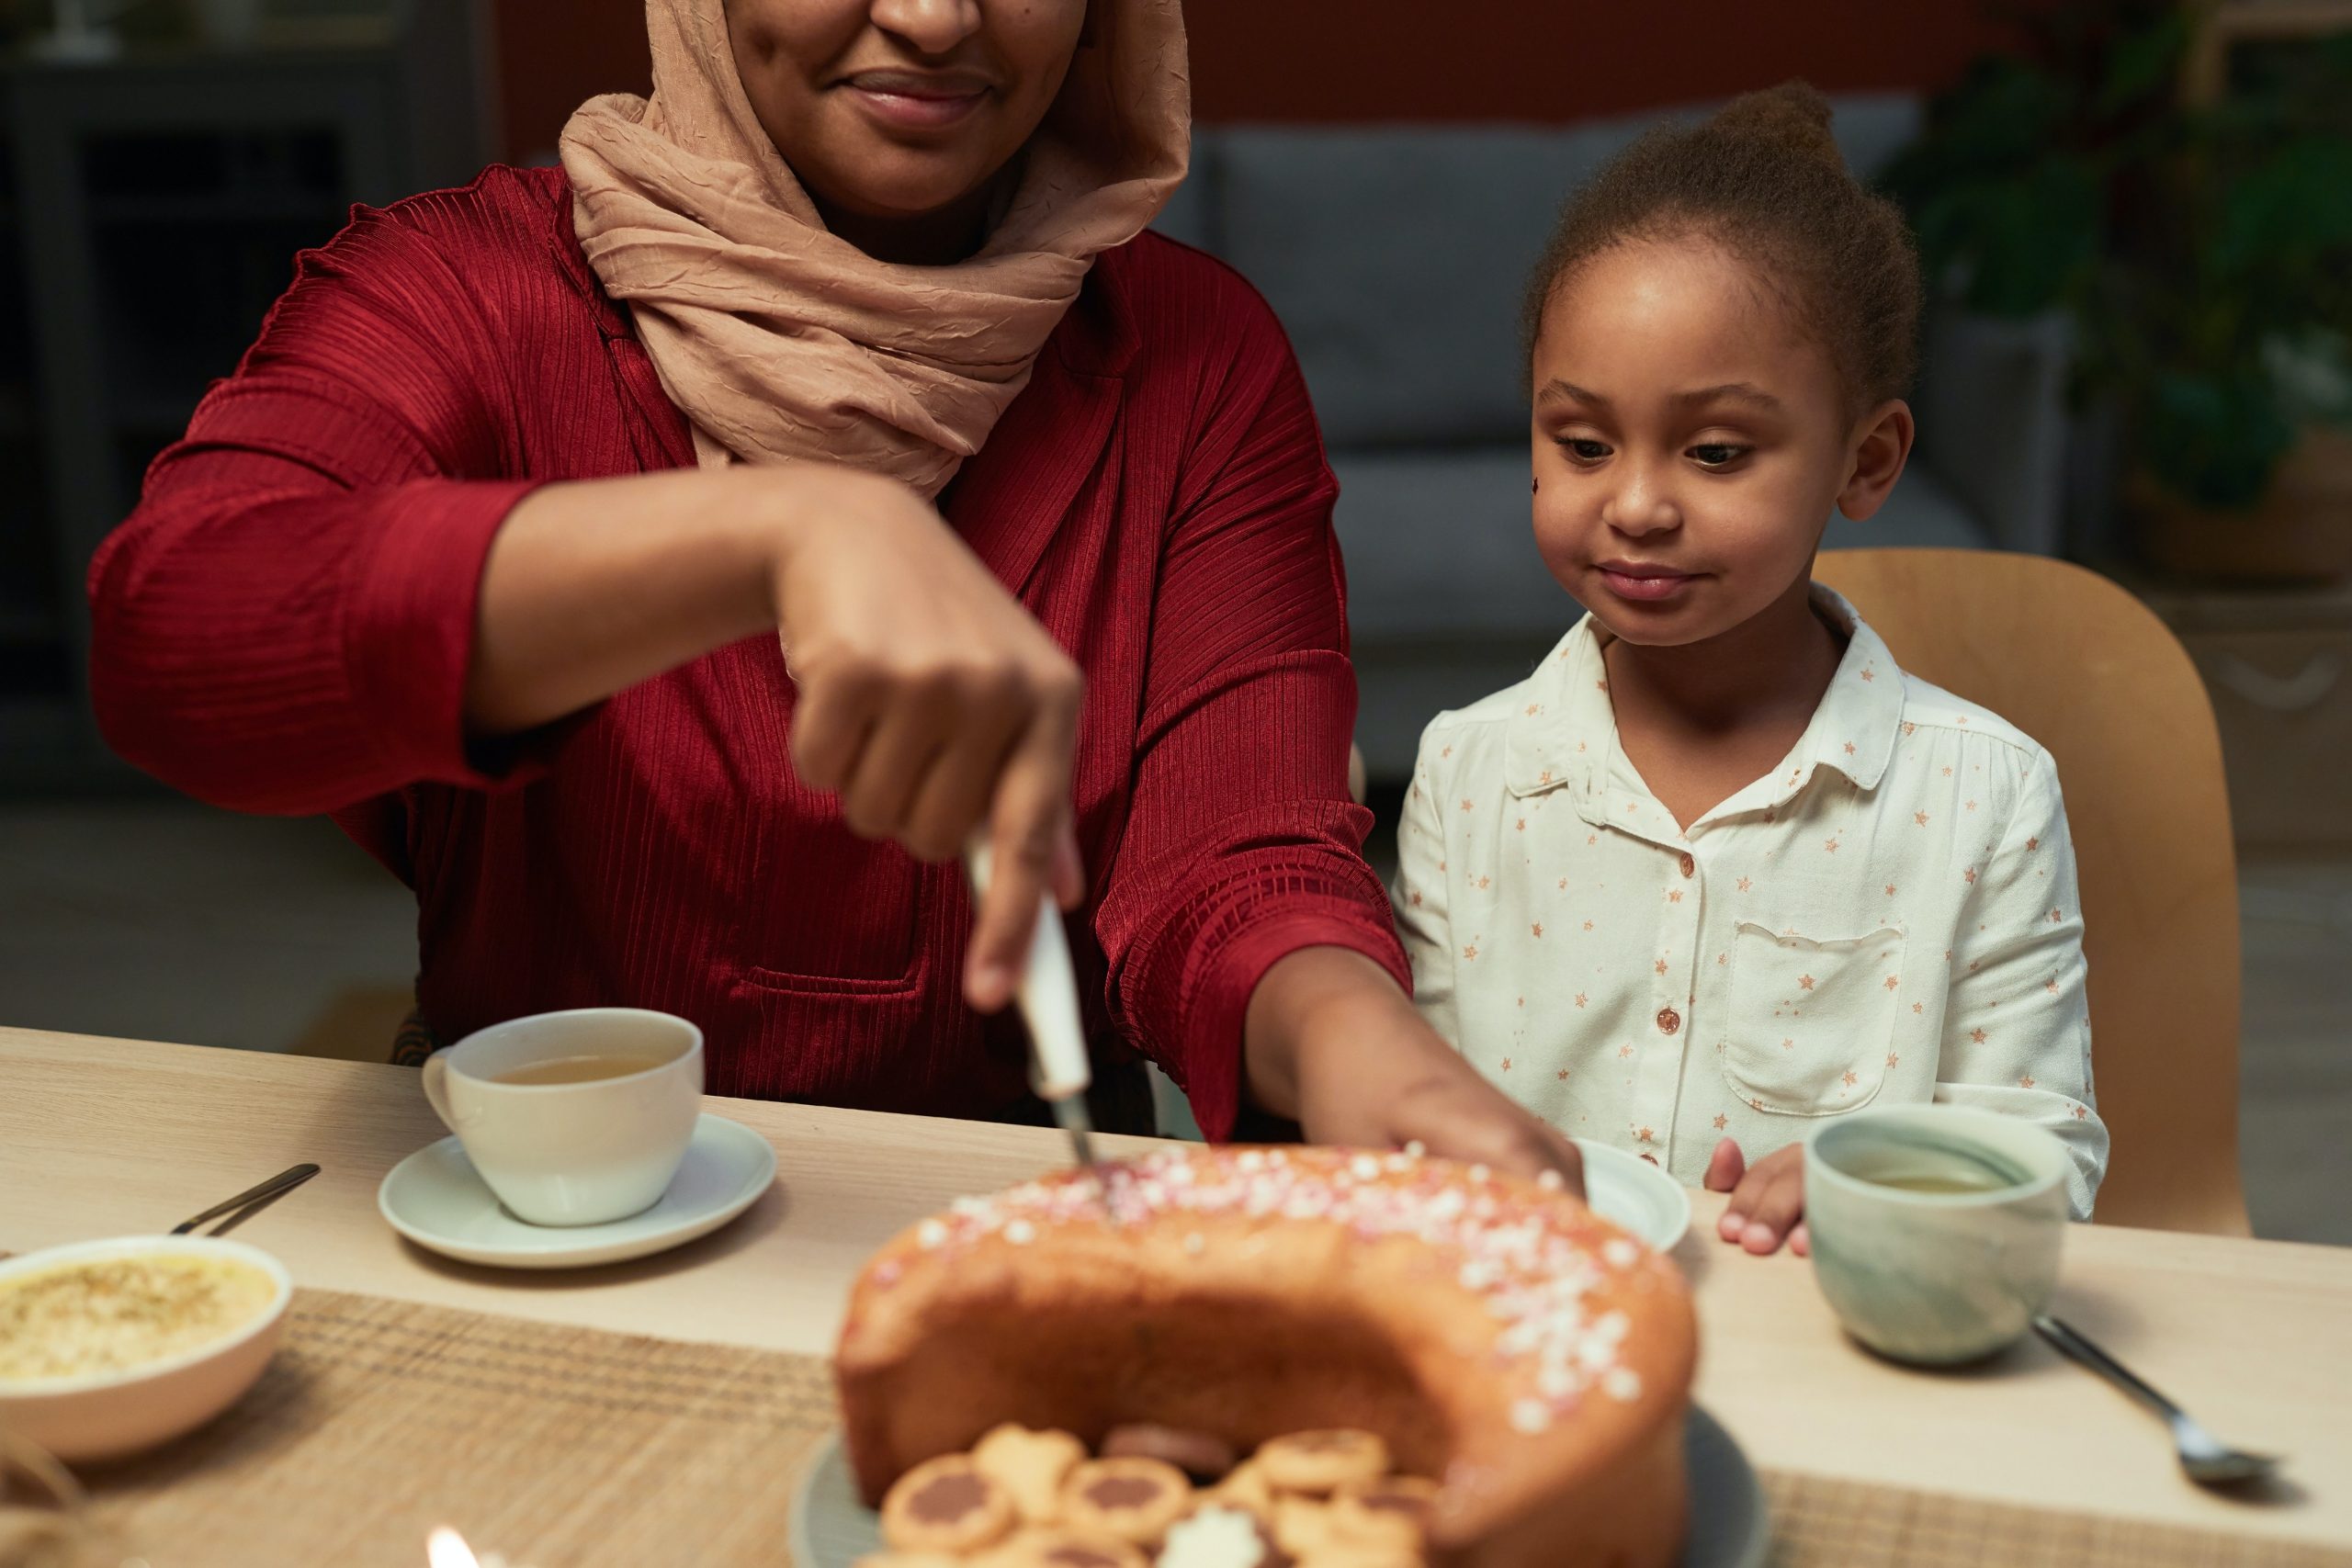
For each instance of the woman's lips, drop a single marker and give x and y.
(913, 105)
(1644, 584)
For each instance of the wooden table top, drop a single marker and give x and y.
(102, 1137)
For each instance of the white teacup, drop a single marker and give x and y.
(574, 1117)
(1935, 1229)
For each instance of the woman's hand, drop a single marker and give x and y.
(931, 702)
(929, 699)
(1331, 1041)
(1766, 1197)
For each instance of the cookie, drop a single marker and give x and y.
(1343, 1555)
(1391, 1512)
(1321, 1462)
(1056, 1548)
(946, 1504)
(1245, 1487)
(1215, 1536)
(1131, 1499)
(1303, 1525)
(1200, 1455)
(1030, 1465)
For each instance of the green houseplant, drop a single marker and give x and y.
(2204, 254)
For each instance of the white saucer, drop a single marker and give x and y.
(1632, 1192)
(437, 1200)
(1729, 1527)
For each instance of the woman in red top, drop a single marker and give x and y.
(572, 538)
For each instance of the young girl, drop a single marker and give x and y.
(1719, 869)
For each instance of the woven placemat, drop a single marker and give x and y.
(1837, 1524)
(557, 1448)
(570, 1448)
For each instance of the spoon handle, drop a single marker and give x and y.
(284, 1181)
(2074, 1348)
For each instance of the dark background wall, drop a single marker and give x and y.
(1366, 60)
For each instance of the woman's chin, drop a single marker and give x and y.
(883, 179)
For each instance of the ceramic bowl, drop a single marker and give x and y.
(112, 1415)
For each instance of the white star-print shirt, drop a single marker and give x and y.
(1890, 917)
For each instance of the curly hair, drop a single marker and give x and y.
(1763, 179)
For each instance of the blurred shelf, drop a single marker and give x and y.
(151, 209)
(216, 210)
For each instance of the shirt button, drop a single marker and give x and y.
(1668, 1020)
(1690, 866)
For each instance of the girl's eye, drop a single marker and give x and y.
(1718, 455)
(1584, 449)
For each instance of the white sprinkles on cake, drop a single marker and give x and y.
(1533, 1273)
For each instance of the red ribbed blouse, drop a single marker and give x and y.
(284, 625)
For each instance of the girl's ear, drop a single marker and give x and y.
(1881, 445)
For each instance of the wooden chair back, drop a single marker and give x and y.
(2091, 673)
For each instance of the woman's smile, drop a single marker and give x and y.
(916, 100)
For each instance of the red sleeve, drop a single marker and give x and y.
(285, 622)
(1242, 845)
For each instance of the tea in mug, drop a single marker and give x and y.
(583, 1069)
(1911, 1181)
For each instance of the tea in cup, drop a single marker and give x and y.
(1936, 1229)
(574, 1117)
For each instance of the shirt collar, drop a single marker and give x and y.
(1567, 732)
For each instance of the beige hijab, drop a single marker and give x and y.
(782, 342)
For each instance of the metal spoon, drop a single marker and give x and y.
(249, 1202)
(2207, 1460)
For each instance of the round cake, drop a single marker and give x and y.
(1501, 1338)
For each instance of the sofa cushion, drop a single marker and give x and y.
(1438, 547)
(1397, 255)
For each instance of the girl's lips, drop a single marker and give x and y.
(926, 111)
(1646, 585)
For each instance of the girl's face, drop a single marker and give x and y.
(1690, 440)
(901, 109)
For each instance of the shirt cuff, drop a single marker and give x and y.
(1226, 976)
(409, 631)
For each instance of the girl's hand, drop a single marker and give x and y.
(1332, 1042)
(1766, 1197)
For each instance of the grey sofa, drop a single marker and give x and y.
(1396, 256)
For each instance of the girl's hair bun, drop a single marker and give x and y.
(1763, 179)
(1792, 118)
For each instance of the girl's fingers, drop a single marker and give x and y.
(1725, 1168)
(1776, 1211)
(1801, 1240)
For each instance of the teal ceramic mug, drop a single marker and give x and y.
(1936, 1229)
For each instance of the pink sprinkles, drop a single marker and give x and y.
(1526, 1258)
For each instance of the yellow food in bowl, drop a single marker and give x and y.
(114, 1315)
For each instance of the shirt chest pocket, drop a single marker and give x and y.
(1812, 1018)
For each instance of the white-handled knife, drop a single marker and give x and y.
(1058, 1066)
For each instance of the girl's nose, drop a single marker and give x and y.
(1641, 506)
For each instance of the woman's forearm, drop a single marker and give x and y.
(1331, 1042)
(594, 586)
(1306, 997)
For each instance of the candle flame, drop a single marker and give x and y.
(445, 1548)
